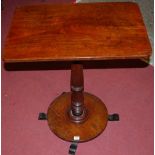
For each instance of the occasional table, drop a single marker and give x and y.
(77, 33)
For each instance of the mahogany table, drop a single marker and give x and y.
(77, 32)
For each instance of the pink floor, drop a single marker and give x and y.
(128, 92)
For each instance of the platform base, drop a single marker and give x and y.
(61, 125)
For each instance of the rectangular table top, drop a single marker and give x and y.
(69, 32)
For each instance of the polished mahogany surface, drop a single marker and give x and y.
(94, 124)
(69, 32)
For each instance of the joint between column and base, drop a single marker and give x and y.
(78, 118)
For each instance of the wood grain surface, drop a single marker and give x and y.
(69, 32)
(77, 111)
(59, 120)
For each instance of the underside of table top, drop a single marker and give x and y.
(70, 32)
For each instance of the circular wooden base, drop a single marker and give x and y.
(59, 120)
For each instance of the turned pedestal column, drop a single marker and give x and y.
(77, 113)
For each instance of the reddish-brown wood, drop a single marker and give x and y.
(71, 32)
(59, 119)
(77, 111)
(96, 31)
